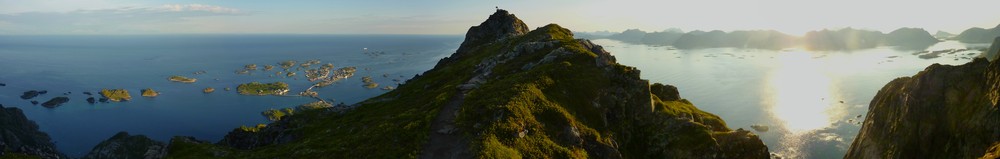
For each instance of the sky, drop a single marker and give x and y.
(454, 16)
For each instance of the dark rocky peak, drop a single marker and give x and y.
(500, 25)
(21, 136)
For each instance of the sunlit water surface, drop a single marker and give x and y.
(809, 99)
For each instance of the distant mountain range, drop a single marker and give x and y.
(840, 39)
(978, 35)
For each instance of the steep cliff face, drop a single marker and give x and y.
(942, 112)
(20, 136)
(505, 93)
(994, 51)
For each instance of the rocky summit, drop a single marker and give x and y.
(942, 112)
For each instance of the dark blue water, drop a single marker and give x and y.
(75, 64)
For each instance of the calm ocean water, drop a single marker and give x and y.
(61, 64)
(809, 99)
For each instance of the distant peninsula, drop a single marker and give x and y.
(839, 39)
(978, 35)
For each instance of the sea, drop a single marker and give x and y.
(810, 101)
(68, 65)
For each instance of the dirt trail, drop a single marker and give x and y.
(445, 140)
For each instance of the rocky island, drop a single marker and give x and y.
(182, 79)
(55, 102)
(257, 88)
(115, 95)
(29, 94)
(149, 92)
(287, 64)
(368, 82)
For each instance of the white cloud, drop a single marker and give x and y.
(197, 7)
(112, 20)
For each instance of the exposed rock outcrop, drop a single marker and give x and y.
(123, 145)
(665, 92)
(500, 25)
(19, 135)
(942, 112)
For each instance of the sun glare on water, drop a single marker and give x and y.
(800, 94)
(802, 97)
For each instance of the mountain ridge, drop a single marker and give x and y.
(534, 94)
